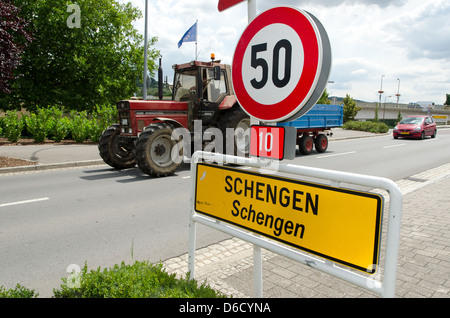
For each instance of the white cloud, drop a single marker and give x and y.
(405, 39)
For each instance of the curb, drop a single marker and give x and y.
(50, 166)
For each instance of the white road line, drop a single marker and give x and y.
(337, 154)
(23, 202)
(399, 145)
(431, 139)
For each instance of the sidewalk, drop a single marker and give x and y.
(424, 254)
(48, 156)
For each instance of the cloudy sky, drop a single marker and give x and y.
(408, 41)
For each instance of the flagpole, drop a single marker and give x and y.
(196, 36)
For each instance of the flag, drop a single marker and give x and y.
(190, 35)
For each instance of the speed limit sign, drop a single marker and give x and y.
(281, 64)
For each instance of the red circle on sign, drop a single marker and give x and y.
(310, 39)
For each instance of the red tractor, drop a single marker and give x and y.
(202, 96)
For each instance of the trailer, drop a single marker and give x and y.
(314, 127)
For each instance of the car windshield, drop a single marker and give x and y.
(412, 120)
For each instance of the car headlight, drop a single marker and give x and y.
(395, 128)
(417, 128)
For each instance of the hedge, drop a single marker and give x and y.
(53, 123)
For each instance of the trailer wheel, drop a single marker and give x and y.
(306, 144)
(321, 143)
(154, 150)
(117, 155)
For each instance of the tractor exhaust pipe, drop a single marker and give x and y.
(160, 81)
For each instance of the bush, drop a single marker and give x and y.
(85, 127)
(12, 126)
(18, 292)
(102, 117)
(80, 126)
(140, 280)
(60, 128)
(39, 124)
(370, 126)
(59, 125)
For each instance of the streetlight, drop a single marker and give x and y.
(379, 104)
(381, 88)
(398, 91)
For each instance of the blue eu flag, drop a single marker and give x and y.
(190, 35)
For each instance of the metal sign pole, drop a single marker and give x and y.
(251, 9)
(257, 253)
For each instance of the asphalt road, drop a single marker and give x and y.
(53, 219)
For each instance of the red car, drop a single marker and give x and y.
(415, 127)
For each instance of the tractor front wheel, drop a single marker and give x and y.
(117, 154)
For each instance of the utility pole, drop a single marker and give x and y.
(379, 104)
(145, 53)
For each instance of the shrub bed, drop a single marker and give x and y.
(53, 123)
(370, 126)
(139, 280)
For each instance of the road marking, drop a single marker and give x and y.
(23, 202)
(392, 146)
(337, 154)
(431, 139)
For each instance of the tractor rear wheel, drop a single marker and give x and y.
(239, 121)
(154, 150)
(116, 154)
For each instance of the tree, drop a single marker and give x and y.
(83, 55)
(350, 109)
(447, 100)
(324, 98)
(399, 117)
(14, 38)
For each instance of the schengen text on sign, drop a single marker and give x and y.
(338, 224)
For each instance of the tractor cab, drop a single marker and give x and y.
(205, 85)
